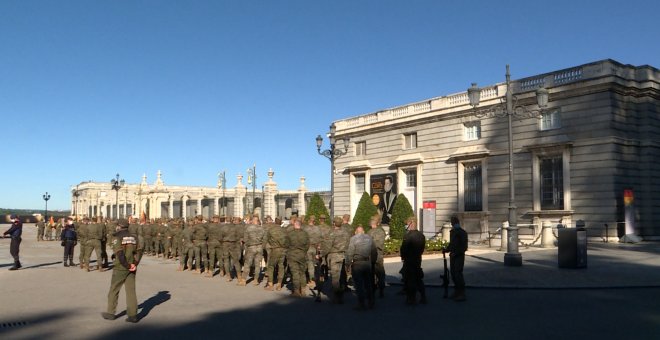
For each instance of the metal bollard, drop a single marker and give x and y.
(547, 239)
(505, 233)
(446, 228)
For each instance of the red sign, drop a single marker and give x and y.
(429, 205)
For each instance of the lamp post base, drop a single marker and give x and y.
(513, 259)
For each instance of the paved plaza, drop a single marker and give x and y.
(616, 296)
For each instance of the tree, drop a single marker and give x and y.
(365, 210)
(401, 211)
(317, 208)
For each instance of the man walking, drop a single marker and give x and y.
(360, 257)
(377, 233)
(15, 233)
(125, 246)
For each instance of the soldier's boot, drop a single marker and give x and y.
(65, 263)
(180, 268)
(86, 267)
(71, 264)
(269, 286)
(241, 280)
(208, 272)
(82, 265)
(460, 295)
(256, 280)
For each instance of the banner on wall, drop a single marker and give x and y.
(383, 194)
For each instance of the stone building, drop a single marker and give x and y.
(158, 200)
(598, 136)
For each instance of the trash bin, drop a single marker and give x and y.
(572, 246)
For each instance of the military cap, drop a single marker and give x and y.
(122, 223)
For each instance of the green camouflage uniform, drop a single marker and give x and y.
(200, 234)
(276, 243)
(254, 250)
(378, 235)
(315, 238)
(296, 257)
(81, 232)
(95, 233)
(231, 249)
(215, 246)
(147, 234)
(334, 247)
(187, 251)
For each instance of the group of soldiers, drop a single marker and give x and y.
(45, 231)
(309, 252)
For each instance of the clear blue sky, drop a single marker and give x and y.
(89, 89)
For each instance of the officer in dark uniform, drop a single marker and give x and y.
(458, 245)
(125, 246)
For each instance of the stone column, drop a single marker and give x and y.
(216, 205)
(547, 239)
(171, 210)
(184, 207)
(270, 189)
(199, 206)
(446, 228)
(504, 236)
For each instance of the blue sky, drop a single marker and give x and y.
(89, 89)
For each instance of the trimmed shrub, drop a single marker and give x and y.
(365, 210)
(317, 208)
(401, 211)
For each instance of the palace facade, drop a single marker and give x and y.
(598, 136)
(157, 200)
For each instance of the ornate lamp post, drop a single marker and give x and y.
(46, 197)
(222, 182)
(252, 180)
(332, 154)
(116, 185)
(509, 109)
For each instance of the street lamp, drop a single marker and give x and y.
(116, 185)
(332, 154)
(222, 182)
(512, 257)
(46, 197)
(252, 179)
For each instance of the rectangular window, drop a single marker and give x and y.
(472, 187)
(411, 178)
(552, 183)
(360, 148)
(550, 120)
(410, 141)
(472, 131)
(359, 184)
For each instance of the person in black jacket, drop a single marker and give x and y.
(458, 245)
(69, 240)
(411, 251)
(15, 233)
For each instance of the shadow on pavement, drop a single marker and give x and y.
(149, 304)
(10, 328)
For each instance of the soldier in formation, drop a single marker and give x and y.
(253, 238)
(377, 233)
(334, 248)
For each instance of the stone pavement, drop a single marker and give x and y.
(46, 300)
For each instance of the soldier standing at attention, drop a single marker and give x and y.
(200, 235)
(81, 232)
(231, 239)
(276, 243)
(334, 247)
(49, 230)
(254, 250)
(125, 246)
(214, 245)
(95, 233)
(296, 257)
(361, 256)
(147, 233)
(187, 251)
(109, 228)
(41, 226)
(58, 228)
(377, 233)
(314, 234)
